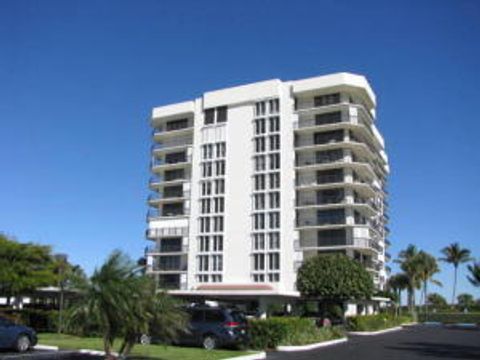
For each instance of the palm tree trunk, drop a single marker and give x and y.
(454, 284)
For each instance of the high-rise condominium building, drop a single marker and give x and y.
(251, 180)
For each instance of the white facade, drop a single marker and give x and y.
(249, 181)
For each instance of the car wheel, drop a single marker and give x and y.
(23, 343)
(209, 342)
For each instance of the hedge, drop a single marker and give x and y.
(375, 322)
(451, 318)
(40, 320)
(274, 331)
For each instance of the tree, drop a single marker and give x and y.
(454, 254)
(407, 261)
(24, 267)
(465, 301)
(437, 301)
(334, 279)
(427, 267)
(474, 276)
(397, 283)
(121, 302)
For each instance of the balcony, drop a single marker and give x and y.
(170, 164)
(166, 213)
(166, 197)
(171, 145)
(167, 249)
(157, 233)
(169, 264)
(173, 128)
(171, 282)
(332, 243)
(334, 221)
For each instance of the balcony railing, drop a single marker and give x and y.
(365, 243)
(167, 249)
(164, 128)
(313, 202)
(307, 161)
(172, 161)
(155, 213)
(321, 222)
(157, 233)
(171, 144)
(152, 197)
(319, 180)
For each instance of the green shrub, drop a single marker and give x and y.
(451, 318)
(375, 322)
(274, 331)
(40, 320)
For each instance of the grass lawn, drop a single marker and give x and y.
(159, 352)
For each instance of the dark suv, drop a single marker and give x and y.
(18, 337)
(213, 327)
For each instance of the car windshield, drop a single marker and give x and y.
(237, 316)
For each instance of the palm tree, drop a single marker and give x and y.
(121, 302)
(474, 276)
(407, 261)
(454, 254)
(427, 267)
(397, 283)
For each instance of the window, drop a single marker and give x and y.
(274, 261)
(332, 237)
(203, 263)
(176, 124)
(220, 167)
(219, 203)
(204, 243)
(274, 240)
(216, 278)
(217, 262)
(205, 206)
(259, 144)
(259, 221)
(274, 200)
(335, 216)
(260, 126)
(209, 116)
(328, 137)
(260, 108)
(172, 175)
(260, 163)
(259, 182)
(259, 278)
(259, 241)
(274, 142)
(324, 100)
(274, 180)
(275, 277)
(259, 201)
(328, 118)
(207, 169)
(206, 188)
(219, 186)
(274, 124)
(221, 149)
(217, 243)
(274, 220)
(259, 262)
(274, 161)
(274, 106)
(221, 114)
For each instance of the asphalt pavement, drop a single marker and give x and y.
(413, 343)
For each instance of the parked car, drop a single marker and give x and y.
(18, 337)
(213, 327)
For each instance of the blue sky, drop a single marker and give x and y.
(78, 80)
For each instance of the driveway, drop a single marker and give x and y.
(418, 342)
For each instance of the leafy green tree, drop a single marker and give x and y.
(334, 279)
(437, 301)
(454, 254)
(120, 302)
(408, 264)
(397, 283)
(465, 302)
(474, 276)
(24, 267)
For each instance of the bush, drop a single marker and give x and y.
(451, 318)
(274, 331)
(375, 322)
(40, 320)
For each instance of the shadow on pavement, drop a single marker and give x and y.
(451, 351)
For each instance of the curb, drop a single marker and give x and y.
(256, 356)
(372, 333)
(45, 347)
(406, 325)
(288, 348)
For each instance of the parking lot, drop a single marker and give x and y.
(419, 342)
